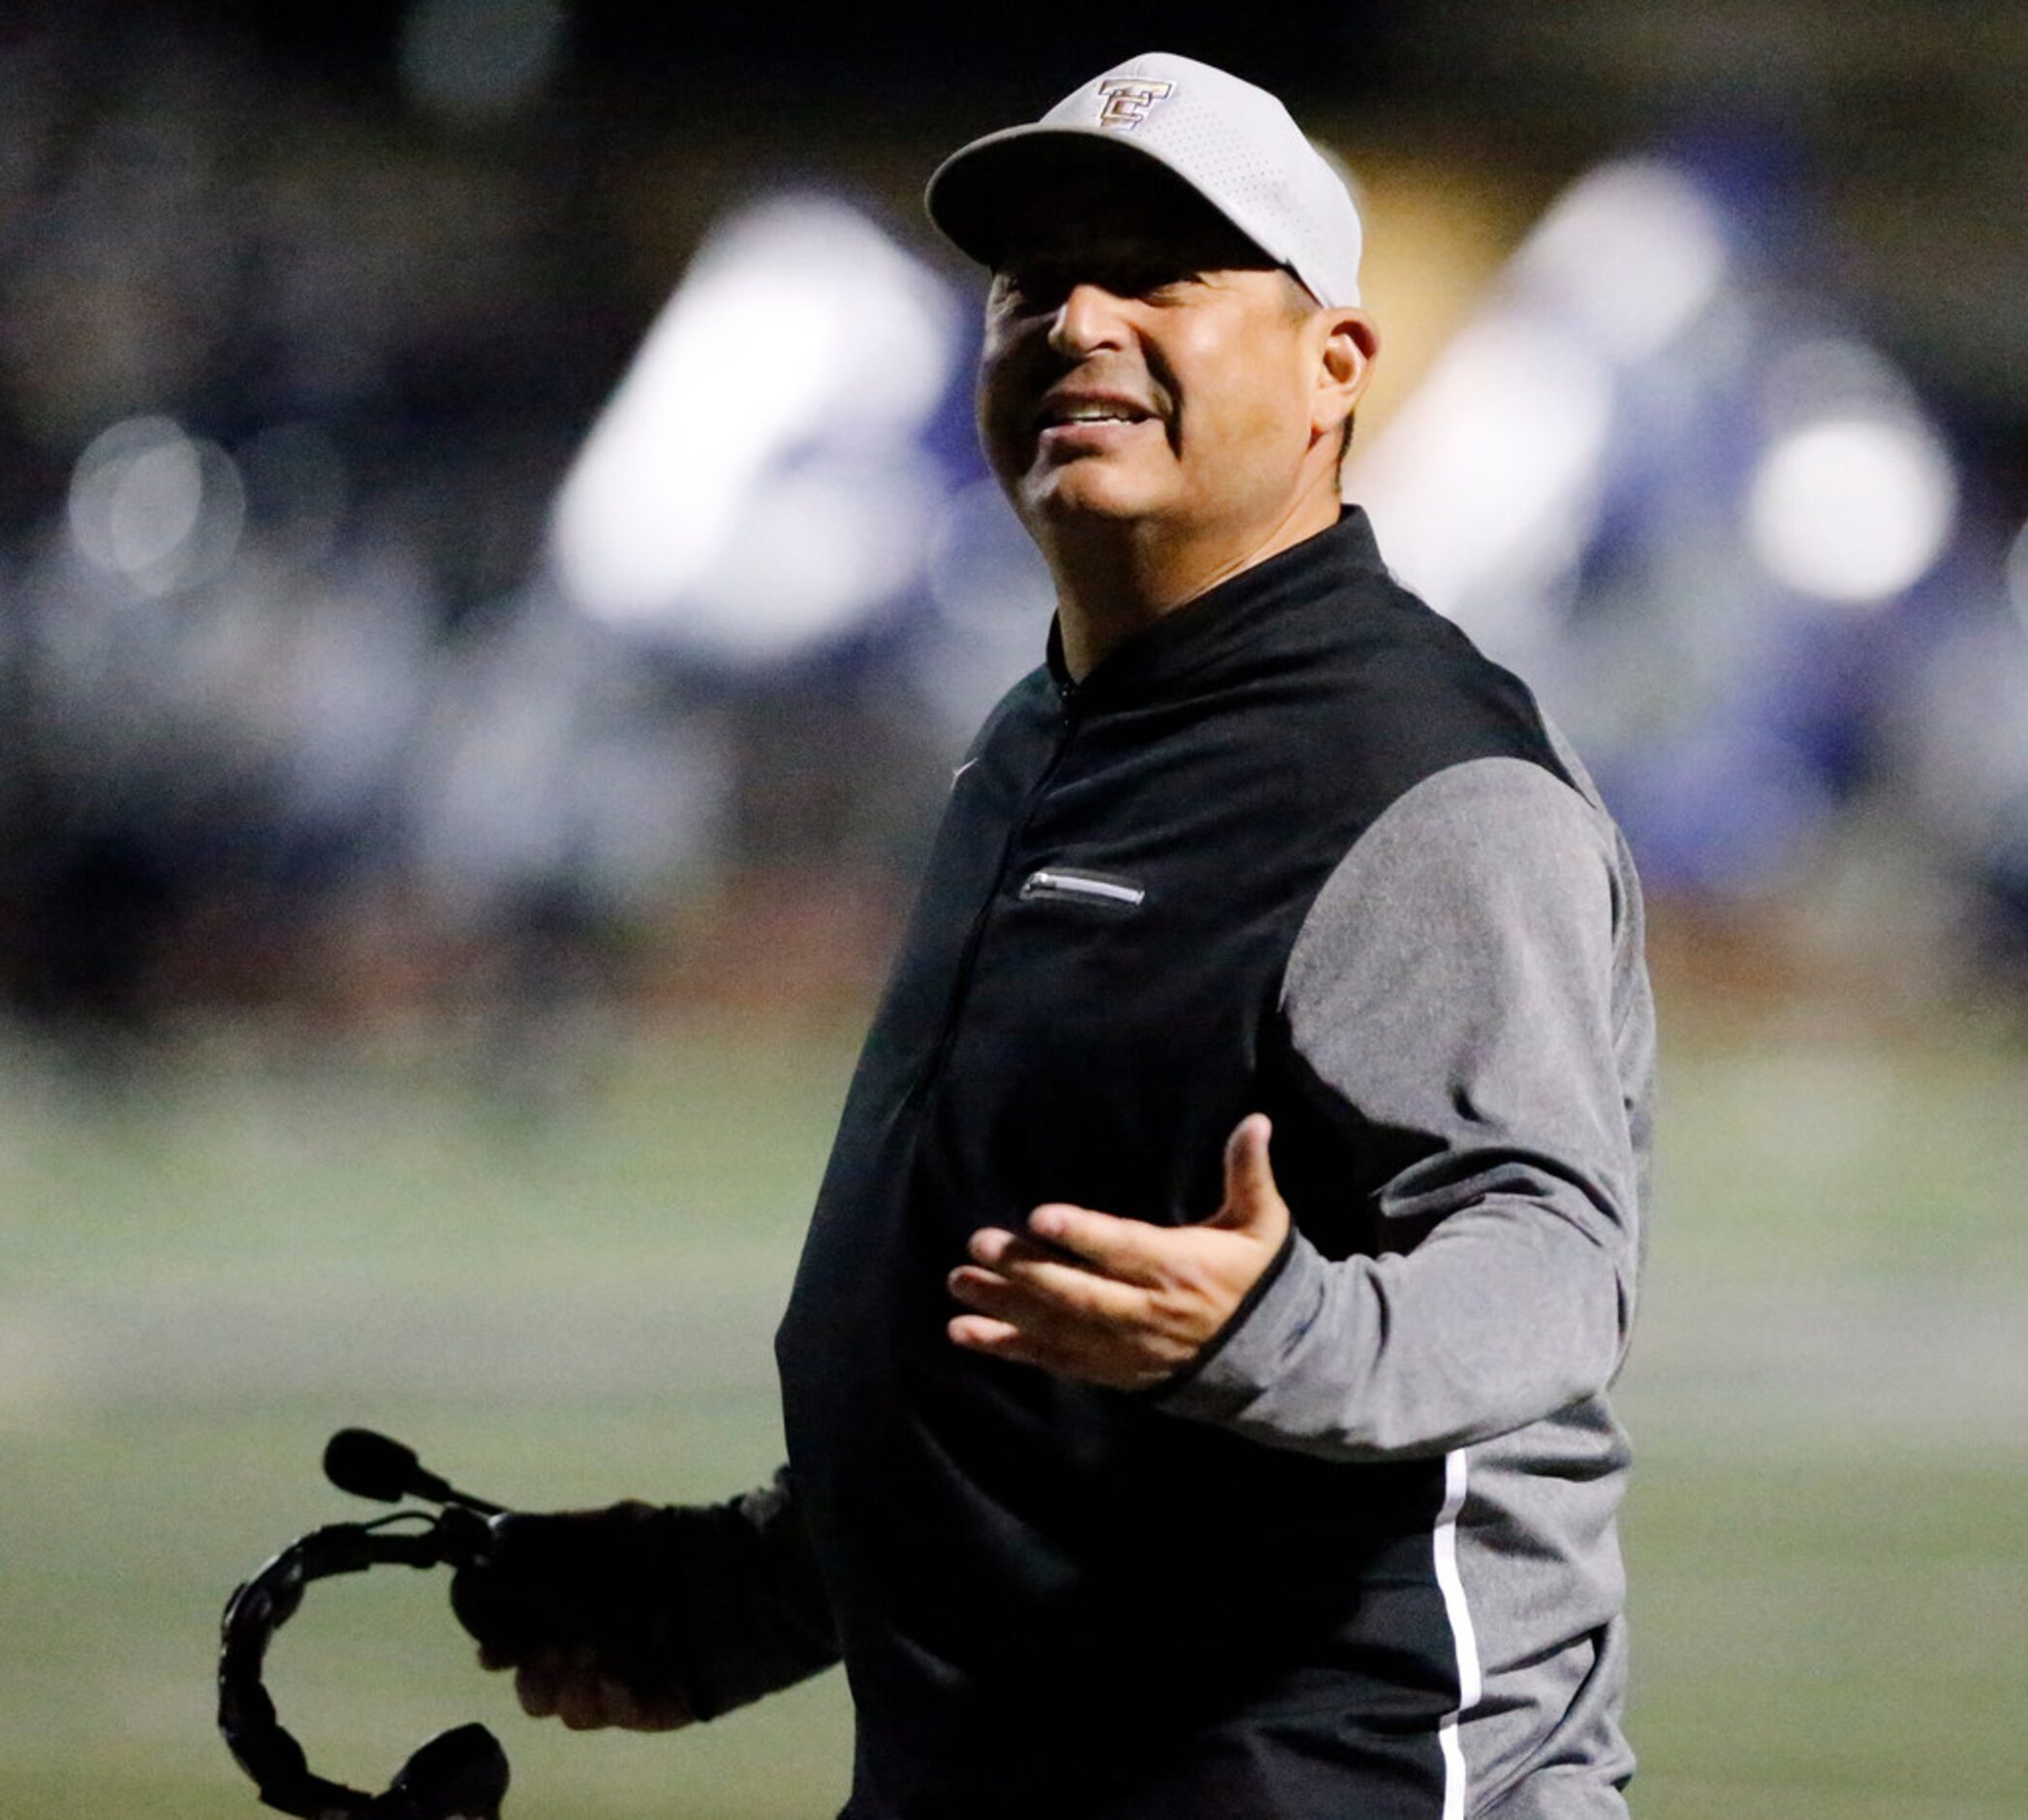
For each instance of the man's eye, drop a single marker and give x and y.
(1161, 280)
(1040, 290)
(1015, 291)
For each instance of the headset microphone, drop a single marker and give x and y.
(371, 1465)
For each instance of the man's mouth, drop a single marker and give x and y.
(1068, 412)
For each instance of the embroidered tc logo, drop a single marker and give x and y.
(1128, 101)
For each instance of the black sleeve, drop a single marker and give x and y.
(750, 1614)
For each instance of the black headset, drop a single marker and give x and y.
(459, 1775)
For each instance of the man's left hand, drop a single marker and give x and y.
(1120, 1302)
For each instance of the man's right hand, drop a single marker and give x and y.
(574, 1685)
(579, 1605)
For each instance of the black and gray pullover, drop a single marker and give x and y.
(1298, 848)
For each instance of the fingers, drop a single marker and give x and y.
(998, 1340)
(1247, 1174)
(1089, 1351)
(656, 1713)
(1131, 1250)
(569, 1684)
(540, 1681)
(1039, 1312)
(1252, 1199)
(1034, 1308)
(588, 1703)
(1010, 1272)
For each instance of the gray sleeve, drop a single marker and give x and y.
(1454, 981)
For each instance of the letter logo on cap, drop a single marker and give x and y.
(1127, 100)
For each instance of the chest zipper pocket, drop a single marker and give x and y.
(1066, 885)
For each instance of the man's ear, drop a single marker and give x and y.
(1348, 346)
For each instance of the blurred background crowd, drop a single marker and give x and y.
(495, 572)
(488, 511)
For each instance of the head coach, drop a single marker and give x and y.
(1195, 1376)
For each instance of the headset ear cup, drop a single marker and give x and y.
(459, 1775)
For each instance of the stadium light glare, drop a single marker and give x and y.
(1852, 508)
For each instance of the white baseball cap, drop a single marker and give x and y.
(1233, 143)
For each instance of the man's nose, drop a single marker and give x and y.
(1089, 318)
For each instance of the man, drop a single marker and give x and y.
(1195, 1378)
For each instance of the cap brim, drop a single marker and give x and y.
(973, 194)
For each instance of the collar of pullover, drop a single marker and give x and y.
(1218, 626)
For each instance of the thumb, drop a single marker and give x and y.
(1252, 1203)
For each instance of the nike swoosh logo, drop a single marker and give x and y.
(961, 770)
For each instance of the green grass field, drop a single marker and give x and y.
(1829, 1395)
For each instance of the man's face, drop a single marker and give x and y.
(1141, 364)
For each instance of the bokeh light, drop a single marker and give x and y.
(158, 508)
(1633, 252)
(750, 485)
(1486, 479)
(1852, 509)
(475, 60)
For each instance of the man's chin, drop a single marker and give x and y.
(1085, 494)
